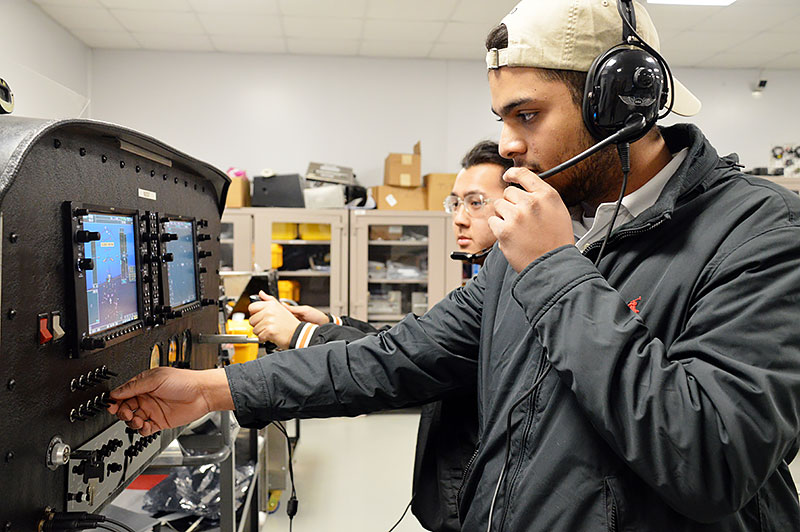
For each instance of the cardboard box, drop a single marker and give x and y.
(385, 232)
(238, 193)
(439, 187)
(403, 169)
(399, 198)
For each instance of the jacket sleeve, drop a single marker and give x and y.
(415, 362)
(707, 421)
(358, 324)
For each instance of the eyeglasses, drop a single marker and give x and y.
(474, 203)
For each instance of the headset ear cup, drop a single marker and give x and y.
(591, 98)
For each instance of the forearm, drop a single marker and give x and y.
(216, 390)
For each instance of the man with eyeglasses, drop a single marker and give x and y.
(447, 433)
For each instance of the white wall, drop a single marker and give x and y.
(45, 66)
(257, 111)
(735, 121)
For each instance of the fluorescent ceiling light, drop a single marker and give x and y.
(693, 2)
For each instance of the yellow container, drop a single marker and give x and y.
(284, 231)
(242, 352)
(289, 290)
(277, 256)
(315, 231)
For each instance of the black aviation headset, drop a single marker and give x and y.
(626, 88)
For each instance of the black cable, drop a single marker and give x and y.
(624, 150)
(527, 394)
(292, 504)
(404, 513)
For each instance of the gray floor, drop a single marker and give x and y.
(352, 475)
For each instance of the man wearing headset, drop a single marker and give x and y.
(448, 428)
(655, 387)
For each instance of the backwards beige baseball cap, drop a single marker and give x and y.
(570, 34)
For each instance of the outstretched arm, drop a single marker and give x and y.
(163, 398)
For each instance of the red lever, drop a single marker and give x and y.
(44, 333)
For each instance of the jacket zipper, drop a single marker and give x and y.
(528, 424)
(464, 476)
(618, 236)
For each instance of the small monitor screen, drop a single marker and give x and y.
(181, 271)
(111, 292)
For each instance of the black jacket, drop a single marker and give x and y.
(676, 413)
(446, 439)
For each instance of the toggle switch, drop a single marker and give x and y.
(203, 254)
(58, 331)
(203, 237)
(45, 335)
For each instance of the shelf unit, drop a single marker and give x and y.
(326, 289)
(424, 242)
(343, 288)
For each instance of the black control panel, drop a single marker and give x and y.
(108, 267)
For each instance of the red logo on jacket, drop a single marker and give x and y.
(633, 304)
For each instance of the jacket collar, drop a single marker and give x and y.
(698, 172)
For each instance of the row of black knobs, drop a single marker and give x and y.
(92, 378)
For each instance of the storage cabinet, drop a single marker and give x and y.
(309, 250)
(399, 263)
(236, 241)
(347, 262)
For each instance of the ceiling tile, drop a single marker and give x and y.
(767, 43)
(240, 24)
(315, 8)
(73, 3)
(149, 5)
(788, 61)
(748, 18)
(395, 49)
(411, 9)
(174, 42)
(82, 17)
(787, 26)
(249, 44)
(739, 60)
(402, 30)
(668, 17)
(264, 7)
(474, 52)
(117, 40)
(490, 13)
(323, 29)
(323, 46)
(700, 43)
(465, 32)
(159, 22)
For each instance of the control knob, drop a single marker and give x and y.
(85, 265)
(203, 237)
(166, 237)
(203, 254)
(90, 343)
(87, 236)
(168, 257)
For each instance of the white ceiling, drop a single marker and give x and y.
(747, 34)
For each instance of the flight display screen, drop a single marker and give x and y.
(111, 291)
(181, 271)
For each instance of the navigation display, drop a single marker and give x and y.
(181, 271)
(111, 292)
